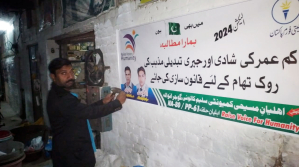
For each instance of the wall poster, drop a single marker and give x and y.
(46, 14)
(237, 63)
(79, 10)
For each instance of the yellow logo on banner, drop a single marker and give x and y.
(130, 95)
(144, 1)
(142, 98)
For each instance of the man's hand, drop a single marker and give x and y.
(128, 90)
(108, 98)
(145, 93)
(121, 97)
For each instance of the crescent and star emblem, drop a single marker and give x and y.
(172, 29)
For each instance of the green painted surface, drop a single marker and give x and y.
(274, 116)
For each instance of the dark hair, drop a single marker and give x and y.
(140, 69)
(57, 63)
(127, 68)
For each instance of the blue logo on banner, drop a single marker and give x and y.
(285, 11)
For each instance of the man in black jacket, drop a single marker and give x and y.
(71, 139)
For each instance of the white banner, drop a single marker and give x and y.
(245, 51)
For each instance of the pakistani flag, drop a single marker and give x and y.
(174, 28)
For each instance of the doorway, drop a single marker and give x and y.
(35, 82)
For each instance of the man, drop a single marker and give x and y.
(142, 88)
(128, 85)
(71, 139)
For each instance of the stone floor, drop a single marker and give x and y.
(12, 120)
(39, 163)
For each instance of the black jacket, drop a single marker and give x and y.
(71, 139)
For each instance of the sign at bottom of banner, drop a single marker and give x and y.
(273, 116)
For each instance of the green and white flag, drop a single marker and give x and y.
(174, 28)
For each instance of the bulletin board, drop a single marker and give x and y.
(237, 63)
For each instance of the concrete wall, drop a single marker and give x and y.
(10, 64)
(45, 42)
(154, 136)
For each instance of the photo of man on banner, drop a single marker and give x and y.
(142, 88)
(144, 93)
(128, 87)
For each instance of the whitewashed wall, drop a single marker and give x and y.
(153, 136)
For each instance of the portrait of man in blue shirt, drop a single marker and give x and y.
(144, 93)
(128, 87)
